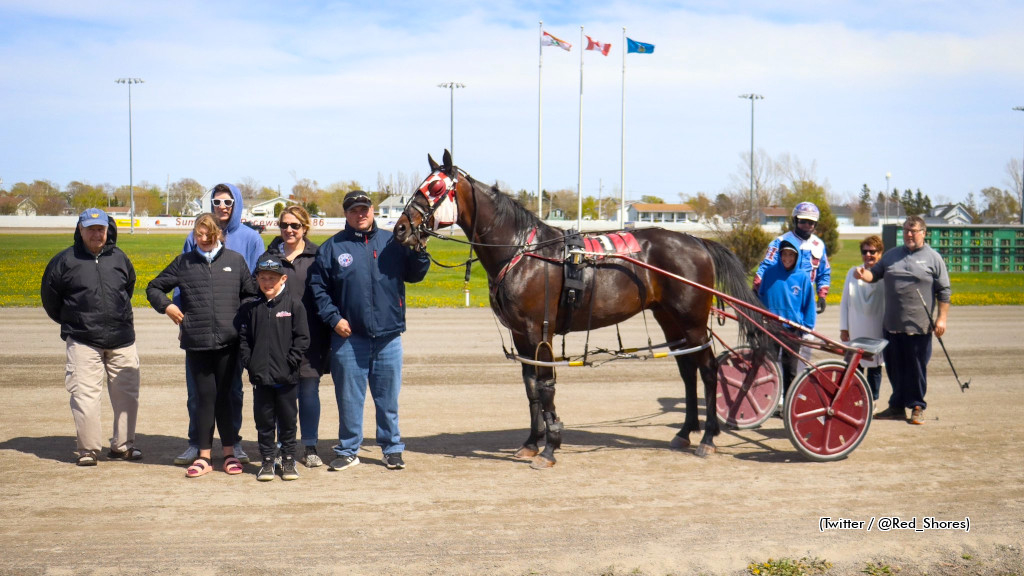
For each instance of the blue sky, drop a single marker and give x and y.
(339, 91)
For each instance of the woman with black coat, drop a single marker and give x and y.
(213, 282)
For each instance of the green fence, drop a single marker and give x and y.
(971, 248)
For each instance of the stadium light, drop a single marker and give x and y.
(131, 183)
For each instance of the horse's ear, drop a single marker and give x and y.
(433, 165)
(447, 159)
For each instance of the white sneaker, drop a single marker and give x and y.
(240, 454)
(187, 457)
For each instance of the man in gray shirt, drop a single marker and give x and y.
(909, 270)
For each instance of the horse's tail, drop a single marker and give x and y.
(731, 278)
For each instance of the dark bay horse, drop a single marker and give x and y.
(524, 260)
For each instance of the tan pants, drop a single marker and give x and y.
(87, 368)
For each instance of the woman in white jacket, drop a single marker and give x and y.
(861, 310)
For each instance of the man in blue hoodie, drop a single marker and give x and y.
(226, 203)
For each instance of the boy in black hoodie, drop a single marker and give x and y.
(273, 338)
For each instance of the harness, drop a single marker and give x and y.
(578, 253)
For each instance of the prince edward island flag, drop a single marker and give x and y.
(638, 47)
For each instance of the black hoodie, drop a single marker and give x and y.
(90, 296)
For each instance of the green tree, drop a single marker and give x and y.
(724, 205)
(82, 196)
(907, 202)
(330, 202)
(8, 204)
(648, 199)
(702, 205)
(748, 241)
(827, 228)
(1001, 206)
(862, 212)
(267, 193)
(182, 192)
(971, 205)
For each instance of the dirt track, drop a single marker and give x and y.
(618, 501)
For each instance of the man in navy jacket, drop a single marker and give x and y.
(358, 282)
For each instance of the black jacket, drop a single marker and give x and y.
(210, 296)
(317, 358)
(91, 296)
(273, 337)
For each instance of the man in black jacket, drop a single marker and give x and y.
(273, 338)
(87, 289)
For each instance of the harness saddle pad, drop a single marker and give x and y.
(614, 243)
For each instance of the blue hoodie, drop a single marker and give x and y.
(789, 293)
(237, 236)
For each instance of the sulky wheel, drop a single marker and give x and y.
(746, 397)
(821, 426)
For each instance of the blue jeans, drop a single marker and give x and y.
(355, 362)
(190, 403)
(309, 410)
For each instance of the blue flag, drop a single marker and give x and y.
(638, 47)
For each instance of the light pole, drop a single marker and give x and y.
(451, 86)
(886, 197)
(131, 182)
(752, 97)
(1021, 109)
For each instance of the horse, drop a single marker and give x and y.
(524, 260)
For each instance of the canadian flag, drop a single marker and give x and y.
(600, 47)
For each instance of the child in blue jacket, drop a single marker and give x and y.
(787, 292)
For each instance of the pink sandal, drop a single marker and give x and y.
(200, 467)
(232, 465)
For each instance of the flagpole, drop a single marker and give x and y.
(622, 159)
(540, 116)
(579, 173)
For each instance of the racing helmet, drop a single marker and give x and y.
(807, 211)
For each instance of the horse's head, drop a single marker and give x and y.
(432, 206)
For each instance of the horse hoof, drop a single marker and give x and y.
(540, 463)
(525, 453)
(705, 450)
(679, 443)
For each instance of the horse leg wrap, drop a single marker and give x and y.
(554, 425)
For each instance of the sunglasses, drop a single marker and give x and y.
(805, 221)
(292, 225)
(866, 252)
(228, 202)
(269, 266)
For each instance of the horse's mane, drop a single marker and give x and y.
(507, 211)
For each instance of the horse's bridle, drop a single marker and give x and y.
(437, 187)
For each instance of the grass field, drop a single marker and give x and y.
(24, 256)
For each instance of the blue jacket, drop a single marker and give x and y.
(237, 236)
(789, 294)
(361, 277)
(813, 258)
